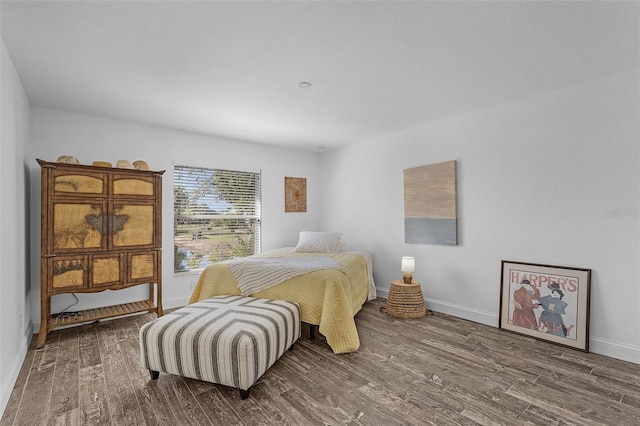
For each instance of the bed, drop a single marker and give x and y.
(328, 298)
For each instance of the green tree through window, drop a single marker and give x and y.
(216, 216)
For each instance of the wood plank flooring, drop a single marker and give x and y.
(436, 370)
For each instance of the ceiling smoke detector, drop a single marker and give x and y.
(304, 85)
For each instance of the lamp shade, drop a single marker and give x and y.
(408, 264)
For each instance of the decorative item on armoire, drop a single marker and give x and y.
(124, 164)
(141, 165)
(295, 194)
(67, 159)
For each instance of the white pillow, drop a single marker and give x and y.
(319, 242)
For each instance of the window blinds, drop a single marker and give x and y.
(216, 216)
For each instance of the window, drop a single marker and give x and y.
(216, 216)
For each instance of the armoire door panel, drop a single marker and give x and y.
(67, 273)
(79, 184)
(142, 267)
(133, 186)
(78, 226)
(106, 271)
(132, 225)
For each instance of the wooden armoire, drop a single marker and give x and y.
(101, 230)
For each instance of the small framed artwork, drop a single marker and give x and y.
(295, 194)
(546, 302)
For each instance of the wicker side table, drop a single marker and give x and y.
(405, 300)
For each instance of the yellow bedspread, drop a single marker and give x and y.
(328, 298)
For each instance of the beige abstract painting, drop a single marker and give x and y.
(430, 206)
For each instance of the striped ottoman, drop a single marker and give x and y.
(228, 340)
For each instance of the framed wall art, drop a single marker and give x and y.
(430, 204)
(546, 302)
(295, 194)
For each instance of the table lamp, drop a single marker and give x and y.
(408, 266)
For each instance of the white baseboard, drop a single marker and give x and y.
(621, 351)
(7, 387)
(464, 312)
(459, 311)
(615, 350)
(175, 302)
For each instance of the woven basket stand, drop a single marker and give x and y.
(406, 301)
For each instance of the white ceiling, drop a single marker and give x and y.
(232, 69)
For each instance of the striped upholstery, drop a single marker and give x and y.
(229, 340)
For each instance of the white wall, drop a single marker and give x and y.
(538, 181)
(15, 332)
(56, 132)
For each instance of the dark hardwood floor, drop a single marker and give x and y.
(438, 370)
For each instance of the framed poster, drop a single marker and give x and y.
(546, 302)
(295, 194)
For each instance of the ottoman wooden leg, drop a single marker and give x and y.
(244, 394)
(154, 374)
